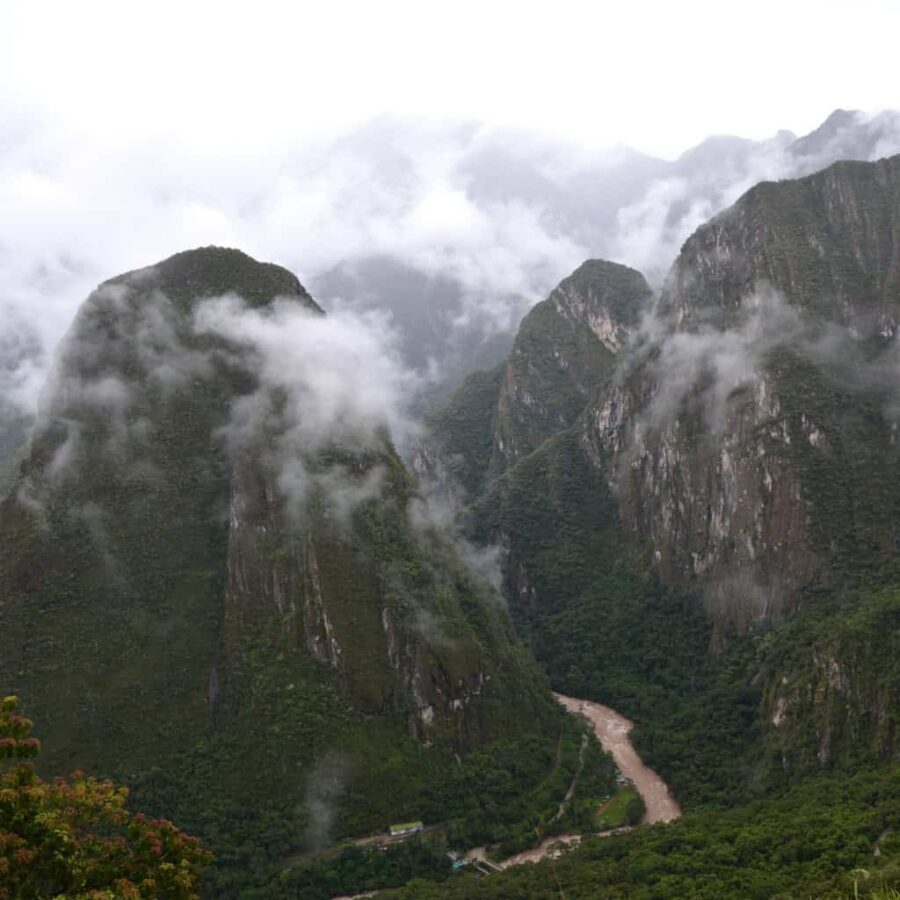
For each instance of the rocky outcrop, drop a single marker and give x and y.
(564, 354)
(756, 377)
(455, 453)
(723, 514)
(190, 570)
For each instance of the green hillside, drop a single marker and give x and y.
(271, 678)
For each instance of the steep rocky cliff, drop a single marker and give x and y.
(738, 446)
(752, 441)
(210, 586)
(564, 355)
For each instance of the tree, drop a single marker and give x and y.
(75, 839)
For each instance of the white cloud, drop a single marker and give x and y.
(338, 377)
(706, 366)
(323, 383)
(117, 153)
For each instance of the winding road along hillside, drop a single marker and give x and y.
(612, 730)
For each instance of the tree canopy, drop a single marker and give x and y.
(75, 839)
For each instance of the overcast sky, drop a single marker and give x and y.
(459, 138)
(658, 75)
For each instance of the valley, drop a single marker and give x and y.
(632, 592)
(612, 731)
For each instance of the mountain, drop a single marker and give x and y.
(445, 329)
(222, 588)
(460, 312)
(564, 353)
(702, 514)
(758, 441)
(848, 134)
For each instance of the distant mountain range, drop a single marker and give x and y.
(622, 205)
(731, 443)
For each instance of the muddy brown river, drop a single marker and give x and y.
(612, 730)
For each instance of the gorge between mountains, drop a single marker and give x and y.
(647, 560)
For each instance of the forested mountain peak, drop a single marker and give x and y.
(213, 554)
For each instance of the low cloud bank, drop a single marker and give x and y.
(323, 382)
(502, 215)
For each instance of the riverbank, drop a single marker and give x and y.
(612, 730)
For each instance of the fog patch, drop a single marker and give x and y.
(325, 786)
(504, 213)
(331, 396)
(345, 491)
(485, 561)
(430, 628)
(708, 365)
(433, 512)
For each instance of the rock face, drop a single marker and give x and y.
(747, 425)
(739, 442)
(565, 354)
(764, 399)
(187, 581)
(723, 515)
(339, 592)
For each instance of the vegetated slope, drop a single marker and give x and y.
(605, 628)
(250, 621)
(818, 840)
(19, 351)
(737, 469)
(14, 427)
(564, 354)
(581, 590)
(458, 451)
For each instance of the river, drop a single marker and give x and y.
(612, 730)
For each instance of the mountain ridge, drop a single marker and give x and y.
(739, 462)
(192, 578)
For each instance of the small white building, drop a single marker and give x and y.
(404, 829)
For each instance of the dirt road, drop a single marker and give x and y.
(612, 730)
